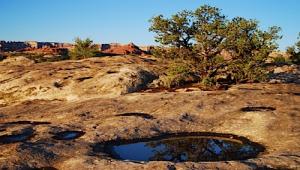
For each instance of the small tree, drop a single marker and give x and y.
(83, 49)
(205, 33)
(294, 51)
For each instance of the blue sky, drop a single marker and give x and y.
(126, 21)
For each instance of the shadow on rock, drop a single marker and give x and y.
(143, 115)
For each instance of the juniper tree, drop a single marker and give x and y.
(206, 32)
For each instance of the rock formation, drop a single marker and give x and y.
(55, 115)
(118, 49)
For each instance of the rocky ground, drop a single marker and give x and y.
(91, 95)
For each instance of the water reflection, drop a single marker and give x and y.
(181, 149)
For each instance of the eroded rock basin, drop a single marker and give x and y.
(184, 147)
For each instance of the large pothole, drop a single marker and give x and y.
(183, 147)
(24, 135)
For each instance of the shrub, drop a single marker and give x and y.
(279, 59)
(242, 72)
(208, 81)
(178, 74)
(83, 49)
(294, 51)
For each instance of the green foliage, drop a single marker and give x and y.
(83, 49)
(176, 31)
(173, 53)
(210, 32)
(242, 72)
(178, 74)
(279, 59)
(200, 36)
(294, 51)
(208, 81)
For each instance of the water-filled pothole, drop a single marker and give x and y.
(18, 137)
(257, 109)
(68, 135)
(143, 115)
(195, 147)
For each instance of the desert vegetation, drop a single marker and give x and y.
(294, 51)
(83, 49)
(198, 40)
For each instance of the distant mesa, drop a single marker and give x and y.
(119, 49)
(19, 46)
(55, 47)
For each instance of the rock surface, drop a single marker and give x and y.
(268, 114)
(286, 74)
(118, 49)
(21, 79)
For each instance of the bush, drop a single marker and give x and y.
(294, 51)
(296, 58)
(242, 72)
(208, 81)
(279, 60)
(178, 74)
(83, 49)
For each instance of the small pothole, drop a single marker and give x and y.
(68, 135)
(257, 109)
(24, 135)
(81, 79)
(143, 115)
(182, 147)
(112, 72)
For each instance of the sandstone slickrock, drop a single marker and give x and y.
(23, 80)
(285, 74)
(82, 100)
